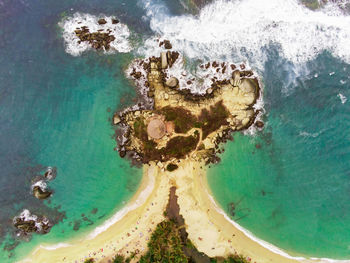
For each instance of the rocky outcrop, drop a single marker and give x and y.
(40, 193)
(102, 21)
(181, 123)
(98, 40)
(28, 223)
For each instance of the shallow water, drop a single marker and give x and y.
(56, 110)
(290, 182)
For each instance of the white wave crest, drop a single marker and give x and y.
(119, 31)
(42, 184)
(342, 98)
(242, 30)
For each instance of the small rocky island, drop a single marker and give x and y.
(177, 123)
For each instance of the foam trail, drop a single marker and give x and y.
(243, 30)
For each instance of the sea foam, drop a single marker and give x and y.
(243, 30)
(69, 24)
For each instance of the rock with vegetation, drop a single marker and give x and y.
(181, 124)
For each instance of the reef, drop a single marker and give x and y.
(178, 123)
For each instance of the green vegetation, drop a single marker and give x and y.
(312, 4)
(182, 118)
(169, 242)
(230, 259)
(165, 245)
(212, 120)
(89, 260)
(209, 121)
(178, 147)
(171, 167)
(119, 259)
(140, 129)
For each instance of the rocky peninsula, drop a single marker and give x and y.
(178, 123)
(174, 131)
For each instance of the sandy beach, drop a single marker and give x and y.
(130, 229)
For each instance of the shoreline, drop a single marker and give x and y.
(129, 229)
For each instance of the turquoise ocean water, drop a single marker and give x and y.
(291, 182)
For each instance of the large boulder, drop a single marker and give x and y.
(172, 82)
(40, 193)
(102, 21)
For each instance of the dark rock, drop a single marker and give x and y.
(50, 173)
(25, 226)
(167, 44)
(215, 64)
(97, 40)
(171, 167)
(102, 21)
(115, 21)
(27, 223)
(40, 194)
(122, 154)
(259, 124)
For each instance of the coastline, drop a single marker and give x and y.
(209, 228)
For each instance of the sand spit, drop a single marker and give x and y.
(208, 227)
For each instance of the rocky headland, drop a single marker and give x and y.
(178, 123)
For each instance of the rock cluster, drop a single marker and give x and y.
(98, 40)
(166, 43)
(195, 123)
(27, 223)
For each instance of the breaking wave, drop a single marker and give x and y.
(243, 30)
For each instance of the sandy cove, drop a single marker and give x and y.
(130, 229)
